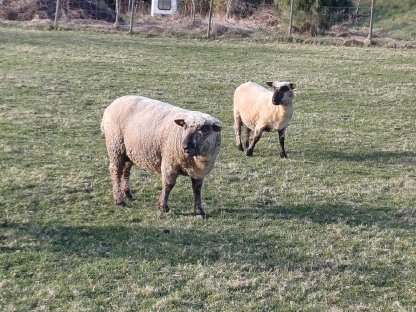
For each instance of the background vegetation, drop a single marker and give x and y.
(330, 228)
(396, 18)
(393, 18)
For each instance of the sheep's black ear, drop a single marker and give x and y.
(292, 85)
(269, 83)
(180, 122)
(216, 127)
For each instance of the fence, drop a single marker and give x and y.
(62, 11)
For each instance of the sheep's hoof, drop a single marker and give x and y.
(200, 212)
(120, 203)
(240, 147)
(129, 196)
(249, 153)
(201, 215)
(164, 208)
(283, 155)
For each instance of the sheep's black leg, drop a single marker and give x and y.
(248, 131)
(256, 138)
(282, 143)
(196, 187)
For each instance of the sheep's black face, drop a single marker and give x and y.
(192, 141)
(279, 94)
(195, 136)
(283, 92)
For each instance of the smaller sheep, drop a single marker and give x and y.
(162, 138)
(259, 109)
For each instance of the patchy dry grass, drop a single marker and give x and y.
(330, 228)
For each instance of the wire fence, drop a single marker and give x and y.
(324, 18)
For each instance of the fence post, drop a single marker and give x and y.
(291, 17)
(229, 4)
(209, 18)
(193, 12)
(133, 8)
(358, 7)
(117, 23)
(370, 35)
(56, 13)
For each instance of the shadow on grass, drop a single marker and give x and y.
(178, 246)
(233, 245)
(384, 157)
(332, 213)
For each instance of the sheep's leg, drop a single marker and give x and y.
(125, 180)
(257, 135)
(237, 128)
(282, 143)
(248, 132)
(168, 182)
(116, 172)
(196, 187)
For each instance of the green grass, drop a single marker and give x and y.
(330, 228)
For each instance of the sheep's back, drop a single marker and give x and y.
(146, 127)
(250, 100)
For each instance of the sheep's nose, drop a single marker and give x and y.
(187, 147)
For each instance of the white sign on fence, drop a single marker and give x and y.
(162, 7)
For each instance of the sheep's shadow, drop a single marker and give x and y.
(352, 215)
(176, 245)
(384, 157)
(146, 243)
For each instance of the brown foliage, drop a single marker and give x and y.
(24, 10)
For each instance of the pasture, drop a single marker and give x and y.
(333, 227)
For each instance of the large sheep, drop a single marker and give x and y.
(259, 109)
(159, 137)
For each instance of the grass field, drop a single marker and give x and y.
(332, 228)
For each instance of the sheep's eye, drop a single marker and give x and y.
(205, 129)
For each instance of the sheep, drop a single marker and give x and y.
(259, 109)
(162, 138)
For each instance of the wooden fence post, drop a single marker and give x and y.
(193, 12)
(229, 4)
(210, 18)
(117, 23)
(133, 9)
(358, 7)
(56, 13)
(370, 35)
(291, 17)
